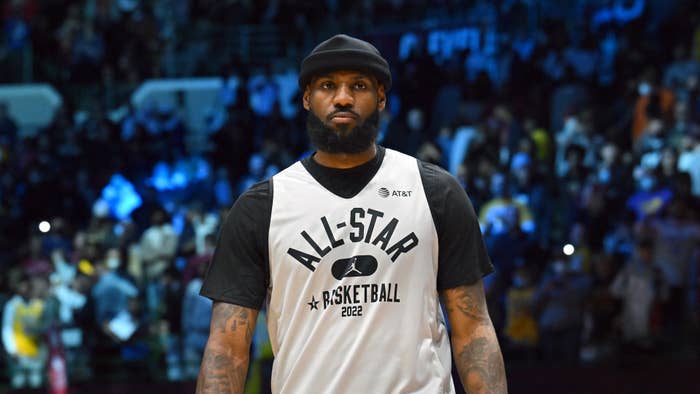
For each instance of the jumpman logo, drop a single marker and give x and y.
(352, 267)
(356, 266)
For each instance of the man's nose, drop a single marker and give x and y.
(343, 97)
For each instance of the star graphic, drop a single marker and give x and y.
(313, 304)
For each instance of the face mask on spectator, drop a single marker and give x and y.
(113, 263)
(571, 125)
(647, 183)
(414, 119)
(644, 89)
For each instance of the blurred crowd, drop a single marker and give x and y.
(575, 131)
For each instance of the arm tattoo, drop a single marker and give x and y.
(220, 374)
(471, 306)
(219, 317)
(481, 368)
(241, 321)
(476, 352)
(223, 370)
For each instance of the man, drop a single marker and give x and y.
(23, 326)
(351, 248)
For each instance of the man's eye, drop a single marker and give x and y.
(360, 85)
(326, 85)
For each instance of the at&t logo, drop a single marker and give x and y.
(384, 193)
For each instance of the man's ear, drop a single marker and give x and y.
(306, 99)
(381, 98)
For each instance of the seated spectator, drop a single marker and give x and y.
(528, 188)
(502, 212)
(574, 138)
(650, 198)
(611, 172)
(652, 137)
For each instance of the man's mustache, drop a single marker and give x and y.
(343, 111)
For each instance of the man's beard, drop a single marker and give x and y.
(343, 140)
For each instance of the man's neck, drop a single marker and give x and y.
(345, 160)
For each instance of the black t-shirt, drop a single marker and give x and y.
(239, 271)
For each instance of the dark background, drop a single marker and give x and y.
(568, 123)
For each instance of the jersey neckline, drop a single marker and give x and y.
(345, 182)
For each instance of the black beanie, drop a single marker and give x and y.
(342, 52)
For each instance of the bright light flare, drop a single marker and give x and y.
(44, 226)
(569, 249)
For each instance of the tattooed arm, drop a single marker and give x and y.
(474, 343)
(225, 361)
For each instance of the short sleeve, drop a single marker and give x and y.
(462, 256)
(239, 270)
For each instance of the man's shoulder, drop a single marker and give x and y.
(294, 170)
(433, 170)
(257, 197)
(436, 178)
(426, 168)
(260, 189)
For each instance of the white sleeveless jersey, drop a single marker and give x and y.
(353, 305)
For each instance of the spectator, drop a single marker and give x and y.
(17, 39)
(22, 332)
(196, 315)
(111, 294)
(642, 288)
(689, 158)
(626, 146)
(611, 173)
(256, 172)
(528, 188)
(87, 53)
(502, 212)
(406, 131)
(678, 73)
(202, 258)
(571, 95)
(651, 100)
(677, 250)
(158, 247)
(112, 297)
(560, 299)
(158, 244)
(169, 322)
(521, 325)
(236, 135)
(599, 337)
(650, 198)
